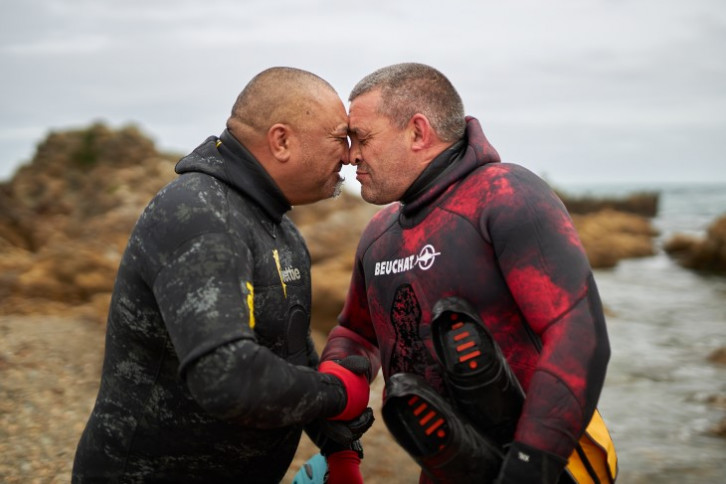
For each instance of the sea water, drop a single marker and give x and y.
(663, 322)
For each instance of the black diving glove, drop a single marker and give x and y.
(526, 465)
(345, 432)
(335, 435)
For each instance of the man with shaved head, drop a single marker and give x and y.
(210, 373)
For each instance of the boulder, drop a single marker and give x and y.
(707, 254)
(718, 356)
(610, 236)
(66, 216)
(644, 204)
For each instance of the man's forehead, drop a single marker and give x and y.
(336, 119)
(332, 113)
(363, 111)
(362, 107)
(362, 124)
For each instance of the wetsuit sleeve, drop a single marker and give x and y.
(207, 317)
(246, 383)
(201, 298)
(548, 274)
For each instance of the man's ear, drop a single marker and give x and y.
(278, 140)
(422, 134)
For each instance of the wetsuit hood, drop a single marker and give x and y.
(454, 163)
(227, 160)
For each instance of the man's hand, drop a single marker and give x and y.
(526, 465)
(342, 433)
(351, 371)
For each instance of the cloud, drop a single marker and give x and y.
(557, 83)
(80, 45)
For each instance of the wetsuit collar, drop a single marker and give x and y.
(449, 166)
(260, 185)
(229, 161)
(444, 161)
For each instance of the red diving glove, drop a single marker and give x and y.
(351, 371)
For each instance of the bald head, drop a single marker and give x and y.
(279, 95)
(295, 125)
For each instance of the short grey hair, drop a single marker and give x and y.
(410, 88)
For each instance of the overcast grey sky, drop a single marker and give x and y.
(579, 91)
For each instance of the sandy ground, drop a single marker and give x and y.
(49, 371)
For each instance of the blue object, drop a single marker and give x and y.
(314, 471)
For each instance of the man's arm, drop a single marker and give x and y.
(231, 376)
(548, 275)
(248, 384)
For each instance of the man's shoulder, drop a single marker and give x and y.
(192, 201)
(495, 179)
(497, 170)
(193, 181)
(383, 218)
(381, 222)
(196, 191)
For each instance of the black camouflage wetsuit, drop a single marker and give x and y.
(209, 316)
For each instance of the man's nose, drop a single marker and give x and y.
(345, 159)
(354, 154)
(354, 157)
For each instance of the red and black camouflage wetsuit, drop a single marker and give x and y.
(496, 235)
(194, 388)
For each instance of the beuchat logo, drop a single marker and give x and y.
(424, 260)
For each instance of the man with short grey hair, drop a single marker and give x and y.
(473, 289)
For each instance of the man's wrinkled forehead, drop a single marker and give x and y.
(363, 113)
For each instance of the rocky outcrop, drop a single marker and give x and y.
(718, 402)
(614, 228)
(610, 236)
(66, 216)
(644, 204)
(718, 356)
(703, 254)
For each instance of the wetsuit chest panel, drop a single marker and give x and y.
(279, 284)
(408, 270)
(282, 300)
